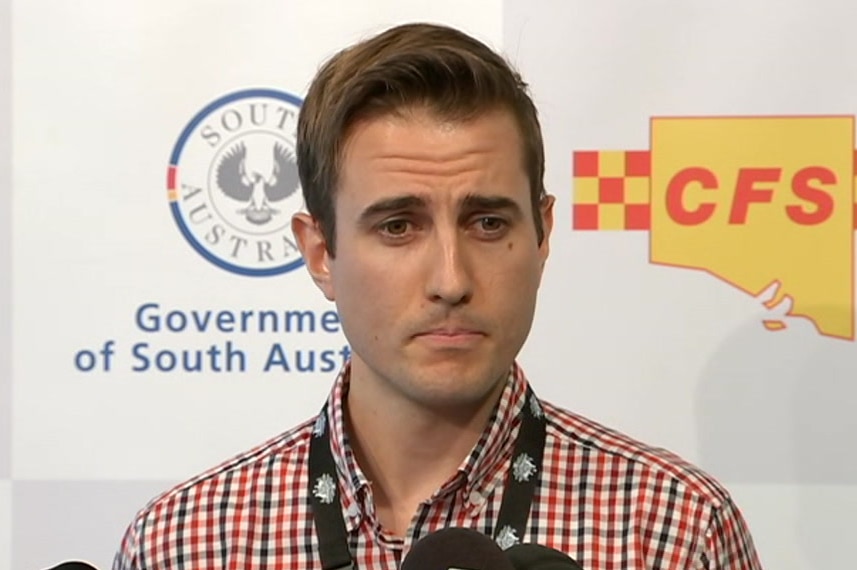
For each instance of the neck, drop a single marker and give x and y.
(408, 450)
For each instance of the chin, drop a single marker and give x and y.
(455, 390)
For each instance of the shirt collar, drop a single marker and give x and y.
(494, 445)
(498, 438)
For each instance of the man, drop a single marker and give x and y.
(421, 161)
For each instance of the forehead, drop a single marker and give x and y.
(416, 145)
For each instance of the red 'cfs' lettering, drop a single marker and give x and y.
(753, 186)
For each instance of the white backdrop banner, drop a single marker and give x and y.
(699, 294)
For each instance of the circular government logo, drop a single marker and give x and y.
(232, 182)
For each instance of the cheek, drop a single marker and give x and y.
(515, 288)
(366, 293)
(512, 268)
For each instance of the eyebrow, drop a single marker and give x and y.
(479, 202)
(469, 203)
(391, 205)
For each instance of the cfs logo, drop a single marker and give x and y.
(765, 203)
(232, 182)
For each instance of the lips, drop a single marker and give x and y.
(450, 332)
(450, 337)
(451, 329)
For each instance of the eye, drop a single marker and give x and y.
(491, 224)
(489, 227)
(395, 228)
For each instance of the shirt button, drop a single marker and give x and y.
(476, 499)
(353, 510)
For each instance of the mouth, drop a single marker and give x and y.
(450, 337)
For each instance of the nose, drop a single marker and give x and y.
(449, 279)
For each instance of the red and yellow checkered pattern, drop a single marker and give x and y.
(611, 190)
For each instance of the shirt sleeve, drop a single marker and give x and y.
(729, 545)
(127, 557)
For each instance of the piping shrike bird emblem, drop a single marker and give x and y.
(258, 190)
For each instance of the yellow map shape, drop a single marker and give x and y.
(749, 238)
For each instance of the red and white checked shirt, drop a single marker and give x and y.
(609, 502)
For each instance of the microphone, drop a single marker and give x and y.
(456, 549)
(538, 557)
(74, 565)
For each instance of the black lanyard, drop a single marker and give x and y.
(518, 494)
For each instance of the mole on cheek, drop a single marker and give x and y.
(509, 246)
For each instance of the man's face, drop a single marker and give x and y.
(437, 263)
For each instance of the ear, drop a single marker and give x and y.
(546, 212)
(313, 248)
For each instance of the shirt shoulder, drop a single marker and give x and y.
(570, 431)
(216, 497)
(288, 448)
(667, 511)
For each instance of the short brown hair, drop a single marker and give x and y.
(453, 75)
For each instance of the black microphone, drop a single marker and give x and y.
(456, 549)
(74, 565)
(538, 557)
